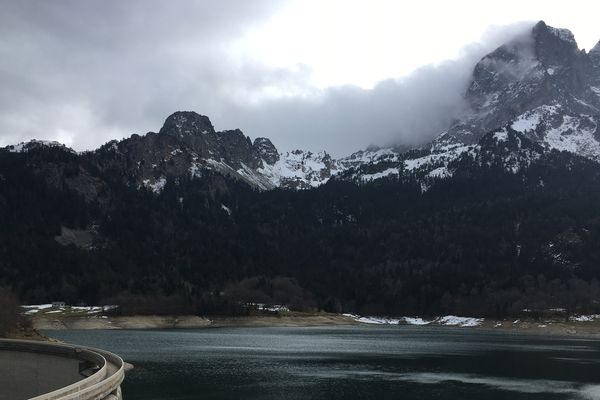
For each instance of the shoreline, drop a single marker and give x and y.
(547, 327)
(82, 321)
(92, 322)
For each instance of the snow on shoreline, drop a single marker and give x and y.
(447, 320)
(584, 318)
(52, 309)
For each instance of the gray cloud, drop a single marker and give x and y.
(84, 72)
(408, 111)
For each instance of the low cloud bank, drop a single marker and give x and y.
(84, 74)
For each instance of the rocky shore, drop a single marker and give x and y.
(46, 317)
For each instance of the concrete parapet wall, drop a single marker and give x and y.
(53, 371)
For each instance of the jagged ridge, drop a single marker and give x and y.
(539, 85)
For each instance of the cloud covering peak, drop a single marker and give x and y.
(85, 72)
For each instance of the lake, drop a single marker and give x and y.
(349, 362)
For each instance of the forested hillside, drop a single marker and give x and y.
(486, 242)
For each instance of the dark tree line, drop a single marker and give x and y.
(487, 242)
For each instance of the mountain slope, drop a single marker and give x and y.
(490, 239)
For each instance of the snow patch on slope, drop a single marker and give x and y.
(156, 186)
(501, 136)
(575, 135)
(226, 209)
(300, 169)
(440, 173)
(367, 157)
(254, 177)
(526, 122)
(383, 174)
(531, 120)
(24, 147)
(436, 158)
(195, 170)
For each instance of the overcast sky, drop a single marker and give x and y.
(316, 74)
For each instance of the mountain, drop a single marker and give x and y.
(539, 84)
(495, 215)
(522, 81)
(188, 144)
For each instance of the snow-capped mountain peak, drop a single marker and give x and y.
(543, 84)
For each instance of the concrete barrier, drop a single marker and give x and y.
(55, 371)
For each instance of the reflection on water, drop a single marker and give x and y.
(363, 362)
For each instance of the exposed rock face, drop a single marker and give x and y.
(187, 144)
(264, 150)
(185, 124)
(196, 134)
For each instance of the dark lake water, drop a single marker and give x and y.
(364, 362)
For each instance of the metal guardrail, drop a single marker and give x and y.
(102, 384)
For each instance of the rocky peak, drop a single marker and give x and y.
(234, 137)
(547, 57)
(187, 123)
(264, 149)
(554, 46)
(506, 65)
(542, 32)
(541, 68)
(235, 148)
